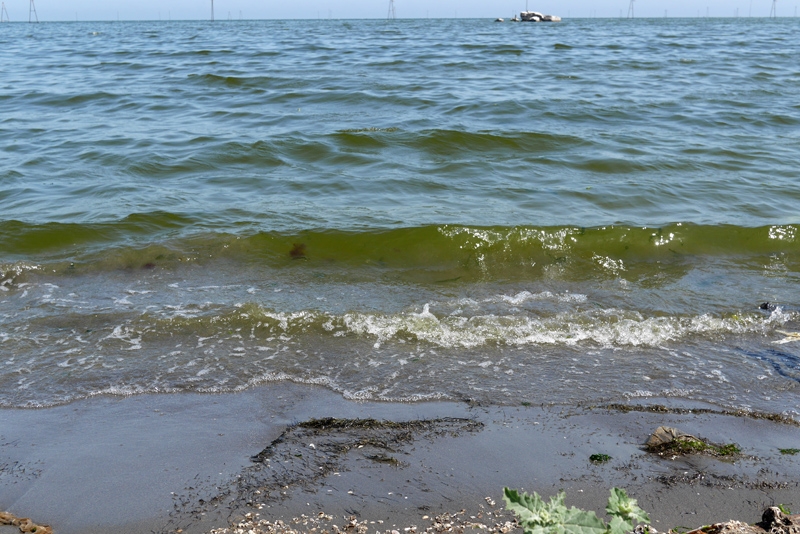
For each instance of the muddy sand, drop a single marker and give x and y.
(194, 462)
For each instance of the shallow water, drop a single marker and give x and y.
(576, 212)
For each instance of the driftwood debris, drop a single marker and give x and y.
(773, 521)
(24, 524)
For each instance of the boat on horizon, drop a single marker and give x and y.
(532, 16)
(535, 16)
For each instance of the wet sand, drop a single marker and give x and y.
(159, 463)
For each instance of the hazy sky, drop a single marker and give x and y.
(276, 9)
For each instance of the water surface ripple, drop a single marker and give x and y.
(344, 124)
(549, 213)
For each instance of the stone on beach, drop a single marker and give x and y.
(664, 435)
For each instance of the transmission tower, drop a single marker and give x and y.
(392, 14)
(32, 13)
(212, 10)
(630, 10)
(773, 13)
(4, 14)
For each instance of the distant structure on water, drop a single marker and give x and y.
(773, 13)
(531, 16)
(4, 14)
(32, 13)
(535, 16)
(212, 10)
(630, 10)
(392, 15)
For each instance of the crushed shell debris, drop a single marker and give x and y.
(491, 522)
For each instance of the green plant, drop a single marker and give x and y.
(790, 452)
(599, 458)
(689, 445)
(785, 509)
(539, 517)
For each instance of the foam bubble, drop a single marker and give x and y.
(126, 335)
(525, 296)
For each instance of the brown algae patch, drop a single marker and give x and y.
(321, 441)
(301, 458)
(659, 408)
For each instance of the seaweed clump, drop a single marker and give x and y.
(666, 441)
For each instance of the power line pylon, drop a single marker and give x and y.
(773, 13)
(212, 10)
(392, 15)
(32, 13)
(4, 14)
(630, 10)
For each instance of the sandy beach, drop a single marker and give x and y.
(190, 462)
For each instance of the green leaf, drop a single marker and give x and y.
(622, 506)
(619, 525)
(538, 517)
(577, 521)
(530, 509)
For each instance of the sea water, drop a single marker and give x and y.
(585, 212)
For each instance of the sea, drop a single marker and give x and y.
(570, 214)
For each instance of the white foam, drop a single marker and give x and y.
(525, 296)
(360, 395)
(607, 328)
(415, 397)
(126, 335)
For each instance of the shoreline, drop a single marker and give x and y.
(160, 463)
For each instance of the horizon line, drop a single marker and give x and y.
(492, 19)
